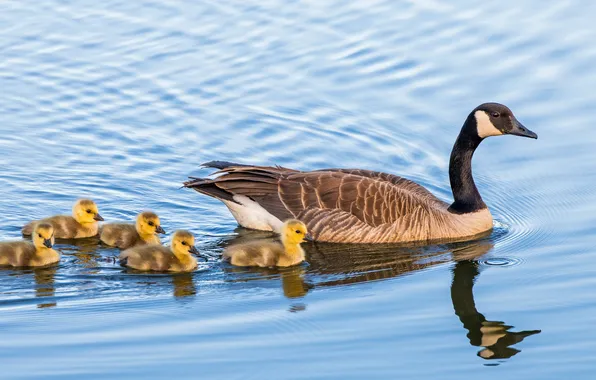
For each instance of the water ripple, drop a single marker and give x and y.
(121, 101)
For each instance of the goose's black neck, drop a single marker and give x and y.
(465, 194)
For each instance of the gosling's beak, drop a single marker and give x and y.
(308, 237)
(193, 250)
(47, 243)
(98, 217)
(160, 230)
(519, 130)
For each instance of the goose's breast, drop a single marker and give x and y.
(462, 225)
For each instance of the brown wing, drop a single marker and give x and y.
(373, 198)
(330, 199)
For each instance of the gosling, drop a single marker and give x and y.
(268, 254)
(156, 257)
(125, 236)
(27, 254)
(82, 224)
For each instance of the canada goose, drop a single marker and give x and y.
(156, 257)
(27, 254)
(124, 235)
(362, 206)
(82, 223)
(269, 254)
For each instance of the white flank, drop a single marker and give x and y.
(485, 126)
(250, 214)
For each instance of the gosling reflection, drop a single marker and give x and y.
(45, 286)
(293, 284)
(184, 285)
(495, 337)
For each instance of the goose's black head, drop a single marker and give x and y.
(494, 119)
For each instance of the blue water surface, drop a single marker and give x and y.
(120, 101)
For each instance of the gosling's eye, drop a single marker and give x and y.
(151, 224)
(298, 231)
(496, 114)
(39, 235)
(183, 243)
(88, 211)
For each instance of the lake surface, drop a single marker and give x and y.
(121, 101)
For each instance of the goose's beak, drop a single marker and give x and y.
(308, 237)
(48, 243)
(160, 230)
(518, 129)
(98, 217)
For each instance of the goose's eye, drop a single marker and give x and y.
(183, 243)
(88, 211)
(496, 114)
(151, 224)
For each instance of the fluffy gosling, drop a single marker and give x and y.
(268, 254)
(155, 257)
(125, 236)
(39, 253)
(82, 224)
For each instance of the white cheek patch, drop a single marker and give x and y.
(485, 126)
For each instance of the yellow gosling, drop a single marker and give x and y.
(82, 224)
(125, 236)
(268, 254)
(39, 253)
(156, 257)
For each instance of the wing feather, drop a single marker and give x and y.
(332, 201)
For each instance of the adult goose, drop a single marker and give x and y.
(362, 206)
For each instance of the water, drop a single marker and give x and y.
(121, 101)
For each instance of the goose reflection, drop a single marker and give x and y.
(494, 336)
(344, 264)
